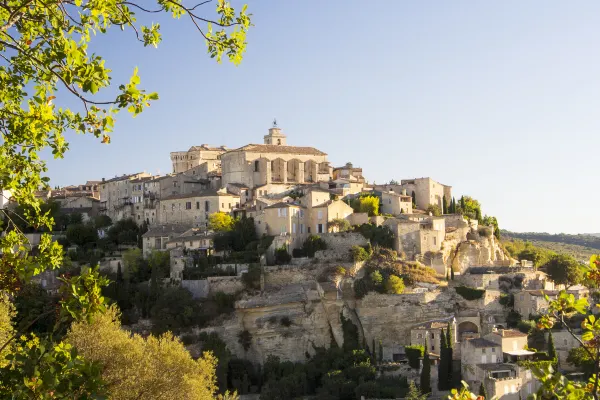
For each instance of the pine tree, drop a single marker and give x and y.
(425, 381)
(452, 206)
(462, 203)
(482, 391)
(444, 205)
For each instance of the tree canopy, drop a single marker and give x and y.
(564, 269)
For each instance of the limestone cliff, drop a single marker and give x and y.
(476, 250)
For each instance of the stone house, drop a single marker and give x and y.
(417, 234)
(395, 203)
(349, 172)
(115, 196)
(274, 162)
(427, 191)
(193, 239)
(80, 203)
(156, 237)
(283, 219)
(343, 187)
(195, 156)
(564, 342)
(195, 208)
(432, 331)
(321, 209)
(241, 190)
(533, 302)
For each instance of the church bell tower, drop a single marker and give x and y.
(275, 137)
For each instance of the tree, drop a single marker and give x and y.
(220, 222)
(369, 205)
(394, 285)
(414, 393)
(282, 256)
(339, 225)
(551, 349)
(444, 205)
(174, 310)
(134, 367)
(376, 278)
(563, 269)
(482, 391)
(102, 221)
(444, 365)
(449, 337)
(47, 66)
(414, 198)
(82, 234)
(425, 384)
(434, 209)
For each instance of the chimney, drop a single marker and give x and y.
(404, 192)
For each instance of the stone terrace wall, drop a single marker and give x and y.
(283, 275)
(339, 245)
(225, 284)
(198, 288)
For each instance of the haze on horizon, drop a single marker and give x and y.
(496, 99)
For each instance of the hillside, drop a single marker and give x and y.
(580, 246)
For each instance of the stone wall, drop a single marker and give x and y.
(283, 275)
(358, 218)
(225, 284)
(198, 288)
(339, 245)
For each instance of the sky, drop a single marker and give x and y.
(499, 100)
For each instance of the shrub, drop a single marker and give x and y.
(470, 293)
(485, 231)
(282, 256)
(507, 300)
(526, 326)
(361, 288)
(225, 302)
(434, 209)
(298, 253)
(286, 321)
(189, 338)
(245, 339)
(394, 285)
(359, 253)
(251, 278)
(312, 244)
(414, 353)
(339, 225)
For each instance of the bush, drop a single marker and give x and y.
(394, 285)
(507, 300)
(286, 321)
(526, 326)
(339, 225)
(414, 353)
(434, 209)
(312, 244)
(189, 338)
(282, 257)
(470, 293)
(298, 253)
(381, 236)
(485, 231)
(251, 278)
(225, 302)
(359, 253)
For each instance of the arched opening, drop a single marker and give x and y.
(467, 330)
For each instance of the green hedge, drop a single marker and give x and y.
(470, 293)
(414, 353)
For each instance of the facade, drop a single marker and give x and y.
(395, 204)
(196, 156)
(321, 209)
(193, 239)
(194, 208)
(431, 332)
(116, 196)
(427, 191)
(417, 234)
(274, 162)
(83, 204)
(533, 302)
(349, 172)
(158, 236)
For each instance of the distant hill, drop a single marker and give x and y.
(581, 246)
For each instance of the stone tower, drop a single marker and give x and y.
(275, 136)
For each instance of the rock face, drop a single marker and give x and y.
(479, 250)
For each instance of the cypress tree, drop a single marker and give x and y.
(414, 197)
(462, 203)
(444, 205)
(373, 352)
(482, 391)
(451, 273)
(380, 352)
(552, 351)
(449, 337)
(443, 365)
(425, 381)
(450, 351)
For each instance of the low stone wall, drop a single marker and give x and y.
(225, 284)
(339, 245)
(358, 218)
(283, 275)
(199, 288)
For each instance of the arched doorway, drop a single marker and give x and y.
(467, 330)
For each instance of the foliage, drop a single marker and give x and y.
(134, 367)
(37, 311)
(339, 225)
(245, 339)
(470, 208)
(493, 222)
(482, 391)
(394, 285)
(174, 310)
(513, 318)
(378, 236)
(484, 231)
(7, 313)
(580, 358)
(434, 209)
(82, 234)
(359, 253)
(527, 251)
(220, 222)
(369, 205)
(102, 221)
(251, 278)
(213, 343)
(350, 332)
(470, 293)
(563, 269)
(414, 353)
(312, 244)
(588, 241)
(425, 378)
(124, 232)
(414, 393)
(282, 256)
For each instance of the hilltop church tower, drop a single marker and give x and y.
(275, 136)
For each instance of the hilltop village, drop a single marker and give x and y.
(311, 256)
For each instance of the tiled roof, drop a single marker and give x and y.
(510, 333)
(271, 148)
(435, 324)
(166, 230)
(284, 204)
(120, 178)
(204, 193)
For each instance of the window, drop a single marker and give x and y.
(434, 241)
(230, 206)
(389, 201)
(565, 342)
(433, 335)
(301, 213)
(493, 349)
(188, 205)
(294, 227)
(172, 207)
(320, 215)
(522, 297)
(284, 212)
(255, 166)
(432, 347)
(482, 351)
(197, 205)
(308, 229)
(301, 228)
(419, 336)
(319, 228)
(206, 206)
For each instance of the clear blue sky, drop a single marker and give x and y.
(498, 99)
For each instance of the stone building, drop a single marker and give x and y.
(533, 302)
(427, 191)
(283, 219)
(322, 210)
(432, 331)
(196, 156)
(156, 237)
(417, 234)
(78, 203)
(194, 208)
(115, 196)
(274, 162)
(395, 203)
(349, 172)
